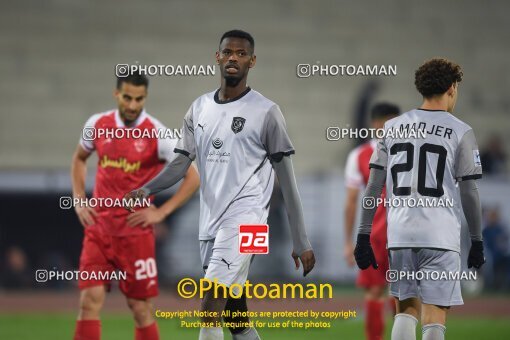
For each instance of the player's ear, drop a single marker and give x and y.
(116, 93)
(253, 61)
(217, 57)
(451, 90)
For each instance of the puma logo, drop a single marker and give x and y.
(201, 126)
(225, 261)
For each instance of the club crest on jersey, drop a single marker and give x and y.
(217, 143)
(238, 124)
(140, 145)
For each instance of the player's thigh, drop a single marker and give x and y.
(206, 249)
(135, 256)
(403, 260)
(95, 259)
(437, 288)
(227, 266)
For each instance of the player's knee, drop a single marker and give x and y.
(375, 293)
(238, 308)
(141, 308)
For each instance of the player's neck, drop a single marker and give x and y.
(435, 104)
(228, 92)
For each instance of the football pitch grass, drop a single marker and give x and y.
(119, 326)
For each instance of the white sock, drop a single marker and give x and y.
(433, 331)
(211, 333)
(404, 327)
(247, 334)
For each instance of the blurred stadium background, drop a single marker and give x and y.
(57, 63)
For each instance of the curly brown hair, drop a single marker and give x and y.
(436, 76)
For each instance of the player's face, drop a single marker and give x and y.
(130, 101)
(235, 58)
(452, 96)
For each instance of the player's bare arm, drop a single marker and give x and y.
(152, 215)
(78, 174)
(363, 253)
(351, 204)
(302, 248)
(172, 173)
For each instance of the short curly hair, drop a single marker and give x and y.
(436, 76)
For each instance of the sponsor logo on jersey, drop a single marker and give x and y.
(238, 124)
(254, 239)
(227, 263)
(120, 163)
(140, 145)
(217, 143)
(476, 158)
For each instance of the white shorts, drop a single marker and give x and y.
(221, 259)
(433, 292)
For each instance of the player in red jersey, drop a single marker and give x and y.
(114, 238)
(356, 177)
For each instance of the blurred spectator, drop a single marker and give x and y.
(493, 157)
(16, 273)
(496, 242)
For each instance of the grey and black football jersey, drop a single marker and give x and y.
(427, 168)
(232, 143)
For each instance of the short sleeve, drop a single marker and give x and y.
(379, 159)
(353, 177)
(88, 133)
(467, 159)
(186, 145)
(274, 135)
(166, 146)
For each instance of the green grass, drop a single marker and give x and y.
(120, 327)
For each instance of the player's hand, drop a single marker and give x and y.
(146, 217)
(85, 215)
(363, 252)
(349, 254)
(131, 198)
(476, 258)
(307, 259)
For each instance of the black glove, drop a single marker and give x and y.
(476, 258)
(363, 252)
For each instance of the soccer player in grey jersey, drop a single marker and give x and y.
(441, 166)
(238, 139)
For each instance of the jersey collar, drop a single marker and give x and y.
(120, 123)
(217, 98)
